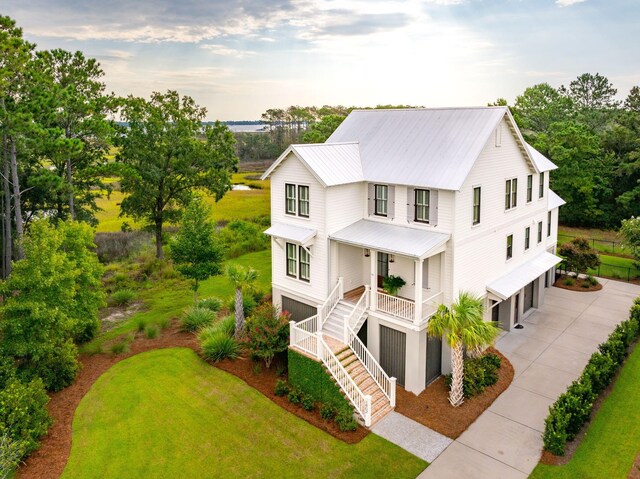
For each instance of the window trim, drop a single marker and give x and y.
(384, 200)
(426, 206)
(539, 232)
(529, 188)
(307, 278)
(509, 247)
(291, 247)
(527, 238)
(307, 200)
(478, 206)
(541, 186)
(511, 193)
(549, 224)
(293, 198)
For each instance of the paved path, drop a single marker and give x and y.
(412, 436)
(547, 355)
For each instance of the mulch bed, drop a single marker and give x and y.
(577, 286)
(432, 407)
(634, 473)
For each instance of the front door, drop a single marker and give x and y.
(528, 297)
(383, 267)
(434, 358)
(516, 312)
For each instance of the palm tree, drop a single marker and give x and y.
(462, 326)
(243, 279)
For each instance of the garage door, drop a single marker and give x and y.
(298, 309)
(393, 348)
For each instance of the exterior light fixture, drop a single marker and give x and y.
(367, 252)
(392, 258)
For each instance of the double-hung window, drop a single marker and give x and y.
(476, 205)
(511, 194)
(549, 224)
(303, 201)
(527, 237)
(540, 232)
(509, 247)
(290, 194)
(529, 188)
(381, 199)
(541, 186)
(305, 265)
(422, 206)
(292, 260)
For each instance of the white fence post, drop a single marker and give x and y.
(319, 307)
(292, 327)
(392, 392)
(367, 419)
(341, 287)
(319, 347)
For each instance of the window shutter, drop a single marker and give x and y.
(411, 200)
(391, 203)
(371, 197)
(433, 208)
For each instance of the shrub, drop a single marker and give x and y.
(569, 281)
(164, 322)
(213, 304)
(120, 245)
(151, 331)
(614, 348)
(58, 368)
(228, 325)
(267, 332)
(295, 396)
(327, 411)
(197, 318)
(122, 297)
(577, 403)
(345, 420)
(478, 374)
(219, 346)
(307, 403)
(282, 388)
(241, 237)
(579, 256)
(555, 431)
(120, 347)
(592, 280)
(11, 451)
(141, 324)
(600, 370)
(585, 284)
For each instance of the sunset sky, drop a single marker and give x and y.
(240, 57)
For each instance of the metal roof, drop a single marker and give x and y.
(331, 163)
(542, 162)
(297, 234)
(391, 238)
(509, 284)
(554, 200)
(424, 147)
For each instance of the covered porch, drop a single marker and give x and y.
(366, 252)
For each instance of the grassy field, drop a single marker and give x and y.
(613, 439)
(234, 205)
(605, 241)
(616, 267)
(166, 413)
(166, 299)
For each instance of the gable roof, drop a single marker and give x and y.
(554, 200)
(431, 147)
(331, 163)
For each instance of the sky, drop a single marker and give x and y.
(239, 57)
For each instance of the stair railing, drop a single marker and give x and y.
(324, 310)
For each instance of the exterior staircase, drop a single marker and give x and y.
(334, 325)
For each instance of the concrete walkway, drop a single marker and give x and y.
(412, 436)
(547, 354)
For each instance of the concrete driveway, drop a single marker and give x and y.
(547, 355)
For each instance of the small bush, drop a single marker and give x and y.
(577, 403)
(11, 451)
(119, 347)
(555, 431)
(282, 388)
(295, 396)
(219, 346)
(228, 325)
(122, 297)
(585, 284)
(569, 281)
(256, 368)
(141, 324)
(58, 368)
(327, 411)
(345, 420)
(248, 305)
(614, 348)
(151, 331)
(592, 280)
(307, 403)
(213, 304)
(267, 332)
(479, 373)
(164, 322)
(281, 370)
(197, 318)
(600, 370)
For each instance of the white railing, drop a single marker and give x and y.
(336, 295)
(358, 310)
(399, 307)
(430, 305)
(386, 384)
(360, 401)
(303, 335)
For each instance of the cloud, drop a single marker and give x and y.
(225, 51)
(568, 3)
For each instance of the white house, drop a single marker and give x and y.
(449, 199)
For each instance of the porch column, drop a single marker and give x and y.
(418, 290)
(373, 280)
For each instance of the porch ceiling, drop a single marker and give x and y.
(507, 285)
(296, 234)
(401, 240)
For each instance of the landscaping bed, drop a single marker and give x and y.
(579, 284)
(432, 407)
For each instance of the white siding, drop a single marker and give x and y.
(480, 251)
(343, 205)
(350, 266)
(292, 171)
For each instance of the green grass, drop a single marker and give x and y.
(168, 298)
(604, 239)
(613, 439)
(616, 267)
(234, 205)
(166, 413)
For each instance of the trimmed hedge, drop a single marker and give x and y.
(310, 377)
(573, 408)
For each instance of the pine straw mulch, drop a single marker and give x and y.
(432, 408)
(578, 286)
(51, 458)
(634, 473)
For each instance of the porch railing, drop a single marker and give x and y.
(359, 310)
(430, 305)
(399, 307)
(336, 295)
(303, 335)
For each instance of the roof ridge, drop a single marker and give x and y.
(477, 107)
(333, 143)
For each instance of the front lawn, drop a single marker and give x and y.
(166, 413)
(613, 438)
